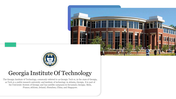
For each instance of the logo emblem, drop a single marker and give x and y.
(50, 59)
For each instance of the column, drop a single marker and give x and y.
(83, 22)
(86, 23)
(78, 39)
(120, 37)
(127, 24)
(113, 44)
(78, 22)
(157, 39)
(143, 40)
(133, 39)
(162, 39)
(150, 40)
(114, 24)
(146, 40)
(143, 26)
(127, 36)
(154, 42)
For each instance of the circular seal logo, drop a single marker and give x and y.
(50, 59)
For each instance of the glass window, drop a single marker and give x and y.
(155, 24)
(117, 40)
(147, 25)
(103, 24)
(81, 22)
(98, 24)
(124, 24)
(88, 23)
(89, 38)
(164, 38)
(85, 21)
(167, 38)
(75, 37)
(92, 35)
(131, 38)
(141, 38)
(136, 24)
(104, 37)
(74, 22)
(110, 23)
(93, 24)
(136, 40)
(130, 24)
(124, 39)
(151, 25)
(160, 38)
(117, 23)
(140, 25)
(110, 38)
(82, 38)
(165, 30)
(159, 24)
(77, 21)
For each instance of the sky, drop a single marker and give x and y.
(168, 14)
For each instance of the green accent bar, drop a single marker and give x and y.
(10, 44)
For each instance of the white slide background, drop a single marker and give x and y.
(45, 21)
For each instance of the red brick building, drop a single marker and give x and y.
(118, 30)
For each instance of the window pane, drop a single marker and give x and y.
(81, 21)
(136, 25)
(103, 24)
(117, 40)
(130, 24)
(110, 38)
(110, 23)
(124, 24)
(98, 24)
(117, 23)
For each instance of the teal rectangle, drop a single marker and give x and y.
(10, 44)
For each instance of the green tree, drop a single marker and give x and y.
(156, 47)
(173, 47)
(98, 40)
(137, 49)
(165, 47)
(140, 47)
(129, 48)
(148, 46)
(173, 26)
(120, 46)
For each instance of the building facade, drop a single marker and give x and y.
(118, 30)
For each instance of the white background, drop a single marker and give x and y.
(45, 21)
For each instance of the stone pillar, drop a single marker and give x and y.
(120, 37)
(113, 44)
(150, 40)
(78, 39)
(143, 40)
(127, 36)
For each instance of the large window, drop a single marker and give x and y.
(165, 30)
(136, 25)
(93, 24)
(124, 24)
(89, 38)
(160, 38)
(131, 38)
(82, 38)
(147, 26)
(110, 23)
(103, 24)
(151, 25)
(98, 24)
(75, 23)
(140, 25)
(104, 37)
(136, 40)
(141, 38)
(130, 24)
(92, 35)
(155, 24)
(85, 22)
(81, 22)
(124, 39)
(164, 38)
(117, 40)
(75, 37)
(159, 24)
(117, 24)
(88, 23)
(110, 38)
